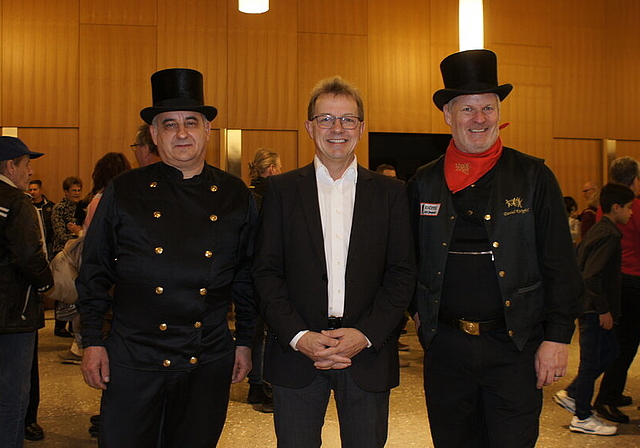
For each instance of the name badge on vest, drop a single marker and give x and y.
(427, 209)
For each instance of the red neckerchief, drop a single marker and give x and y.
(461, 169)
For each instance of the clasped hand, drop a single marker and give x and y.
(332, 349)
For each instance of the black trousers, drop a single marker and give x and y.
(155, 409)
(481, 391)
(299, 413)
(628, 332)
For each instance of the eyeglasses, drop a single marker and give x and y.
(134, 146)
(326, 121)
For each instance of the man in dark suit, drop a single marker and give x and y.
(334, 271)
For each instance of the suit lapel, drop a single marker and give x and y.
(308, 191)
(364, 195)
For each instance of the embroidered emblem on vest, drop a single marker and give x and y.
(427, 209)
(515, 202)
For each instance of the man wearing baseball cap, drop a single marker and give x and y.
(24, 272)
(498, 283)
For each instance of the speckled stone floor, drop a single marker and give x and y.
(67, 403)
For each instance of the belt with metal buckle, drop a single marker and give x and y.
(333, 323)
(473, 328)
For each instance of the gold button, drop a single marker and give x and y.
(157, 214)
(510, 332)
(487, 217)
(502, 273)
(208, 254)
(162, 327)
(495, 244)
(203, 291)
(197, 324)
(444, 244)
(214, 188)
(213, 217)
(452, 217)
(159, 289)
(508, 303)
(193, 360)
(153, 184)
(166, 363)
(159, 250)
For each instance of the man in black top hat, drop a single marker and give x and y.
(175, 239)
(498, 284)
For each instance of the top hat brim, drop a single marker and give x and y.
(148, 113)
(443, 96)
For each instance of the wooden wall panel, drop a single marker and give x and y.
(622, 68)
(399, 62)
(518, 23)
(119, 12)
(528, 107)
(444, 41)
(628, 148)
(574, 163)
(579, 72)
(317, 59)
(114, 87)
(284, 143)
(60, 147)
(262, 62)
(333, 17)
(195, 36)
(40, 63)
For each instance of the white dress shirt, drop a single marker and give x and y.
(336, 199)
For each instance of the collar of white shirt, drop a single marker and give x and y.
(322, 173)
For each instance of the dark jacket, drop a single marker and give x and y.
(45, 208)
(24, 270)
(290, 274)
(178, 251)
(527, 226)
(600, 259)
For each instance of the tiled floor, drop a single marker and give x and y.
(67, 403)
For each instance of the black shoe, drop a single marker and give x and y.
(33, 432)
(95, 420)
(62, 332)
(611, 413)
(256, 394)
(623, 400)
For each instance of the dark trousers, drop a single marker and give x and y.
(299, 413)
(481, 391)
(34, 392)
(151, 409)
(598, 349)
(628, 333)
(257, 352)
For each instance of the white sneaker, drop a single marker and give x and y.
(564, 400)
(592, 425)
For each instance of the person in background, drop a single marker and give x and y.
(571, 207)
(588, 215)
(182, 232)
(24, 273)
(387, 170)
(498, 286)
(45, 209)
(626, 171)
(599, 257)
(266, 162)
(145, 150)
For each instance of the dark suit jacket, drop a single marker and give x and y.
(290, 275)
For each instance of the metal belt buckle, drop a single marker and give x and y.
(472, 328)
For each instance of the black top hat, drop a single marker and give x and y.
(13, 147)
(470, 72)
(177, 89)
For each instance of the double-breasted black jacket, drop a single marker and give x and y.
(176, 251)
(290, 275)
